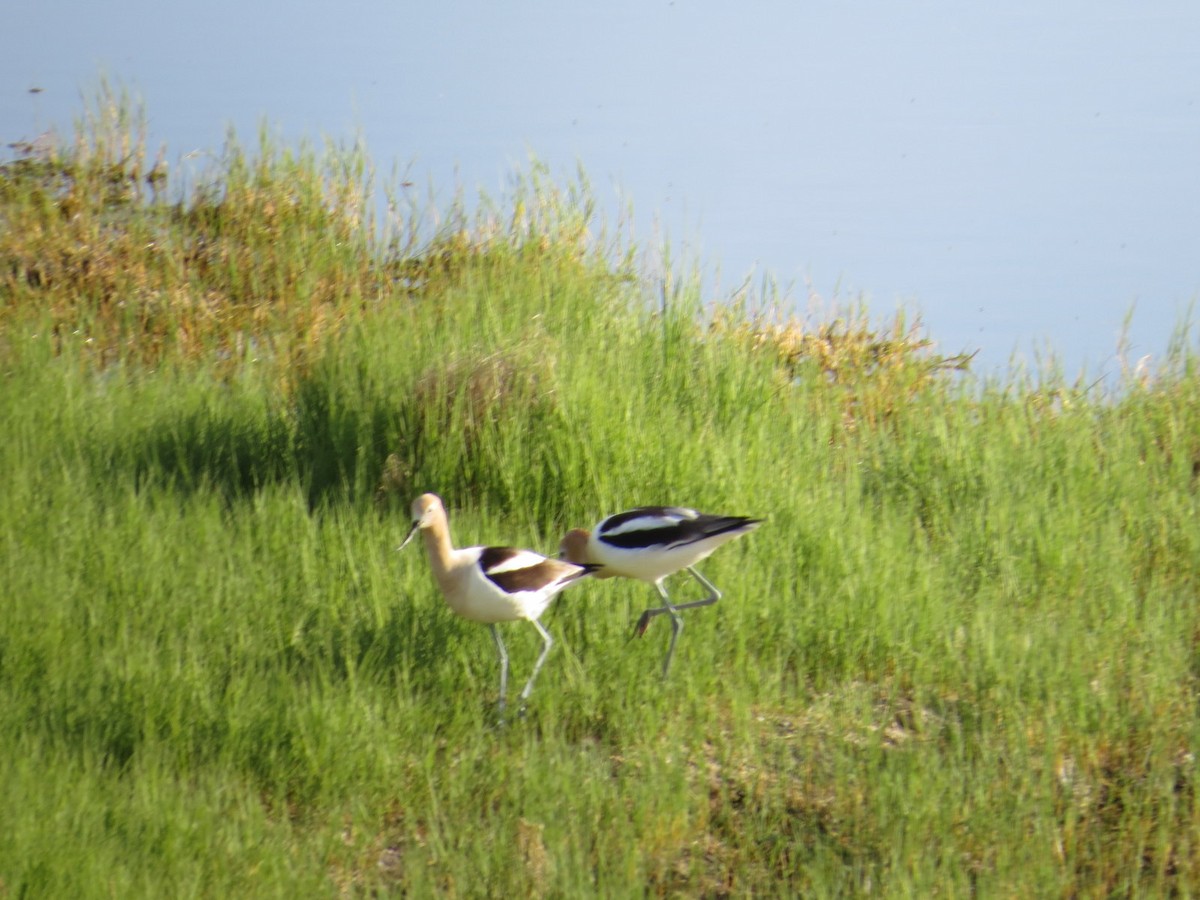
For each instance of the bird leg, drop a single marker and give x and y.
(676, 627)
(673, 609)
(503, 665)
(547, 643)
(713, 596)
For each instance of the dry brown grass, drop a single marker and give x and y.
(270, 254)
(879, 368)
(268, 258)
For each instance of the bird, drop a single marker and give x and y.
(651, 542)
(492, 584)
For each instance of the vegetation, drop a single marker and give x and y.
(960, 657)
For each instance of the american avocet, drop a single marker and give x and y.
(492, 584)
(650, 543)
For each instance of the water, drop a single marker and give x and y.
(1023, 177)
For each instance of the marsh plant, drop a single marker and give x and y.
(959, 657)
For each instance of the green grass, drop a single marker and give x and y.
(960, 656)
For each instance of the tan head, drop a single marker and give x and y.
(427, 512)
(574, 547)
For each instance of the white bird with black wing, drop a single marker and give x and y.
(651, 542)
(492, 584)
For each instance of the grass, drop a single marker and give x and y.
(959, 658)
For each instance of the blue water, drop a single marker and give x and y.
(1023, 176)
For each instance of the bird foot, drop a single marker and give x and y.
(642, 624)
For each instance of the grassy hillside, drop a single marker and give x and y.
(960, 656)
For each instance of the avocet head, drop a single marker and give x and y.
(426, 509)
(574, 547)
